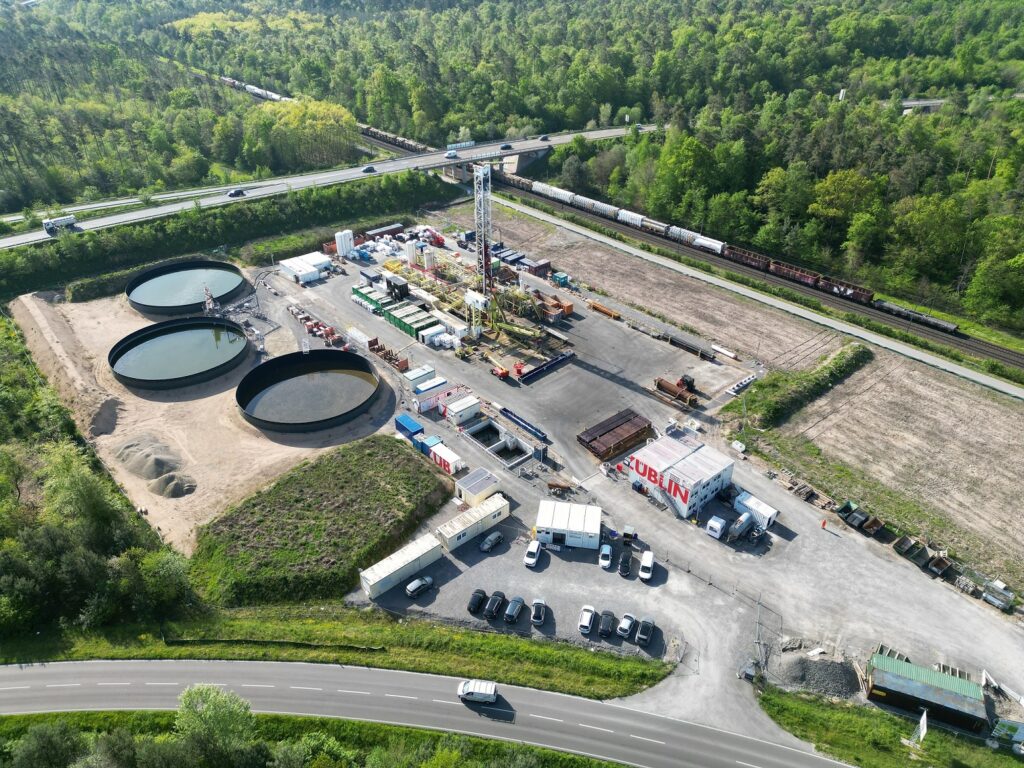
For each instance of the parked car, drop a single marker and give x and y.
(626, 624)
(491, 541)
(625, 563)
(494, 605)
(538, 611)
(607, 625)
(476, 600)
(515, 606)
(645, 631)
(481, 691)
(545, 138)
(646, 565)
(451, 154)
(532, 554)
(369, 169)
(606, 556)
(506, 146)
(236, 193)
(417, 587)
(587, 619)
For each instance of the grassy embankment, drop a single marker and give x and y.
(991, 367)
(370, 742)
(870, 738)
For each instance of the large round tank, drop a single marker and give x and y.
(180, 288)
(178, 353)
(307, 391)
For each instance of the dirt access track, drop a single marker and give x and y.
(225, 457)
(953, 445)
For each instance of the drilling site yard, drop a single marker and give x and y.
(948, 444)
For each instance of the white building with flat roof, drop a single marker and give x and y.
(399, 566)
(570, 525)
(681, 471)
(474, 521)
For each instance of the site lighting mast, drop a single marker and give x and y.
(482, 200)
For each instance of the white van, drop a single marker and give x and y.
(481, 691)
(646, 565)
(451, 154)
(716, 527)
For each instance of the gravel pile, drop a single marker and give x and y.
(837, 679)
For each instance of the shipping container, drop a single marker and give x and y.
(395, 569)
(407, 426)
(419, 375)
(763, 514)
(427, 444)
(429, 334)
(426, 386)
(463, 410)
(447, 459)
(369, 276)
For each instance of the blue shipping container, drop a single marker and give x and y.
(429, 442)
(407, 425)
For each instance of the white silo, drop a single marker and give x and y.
(345, 241)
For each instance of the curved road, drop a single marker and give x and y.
(217, 195)
(568, 723)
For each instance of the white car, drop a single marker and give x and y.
(625, 625)
(606, 556)
(587, 619)
(532, 554)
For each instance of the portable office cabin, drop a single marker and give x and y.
(571, 525)
(447, 459)
(400, 566)
(425, 387)
(477, 486)
(462, 410)
(419, 375)
(407, 426)
(474, 521)
(763, 514)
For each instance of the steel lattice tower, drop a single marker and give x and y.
(482, 200)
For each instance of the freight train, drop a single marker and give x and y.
(391, 138)
(252, 90)
(824, 283)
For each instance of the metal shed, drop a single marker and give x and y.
(402, 565)
(571, 525)
(947, 698)
(477, 486)
(475, 520)
(298, 270)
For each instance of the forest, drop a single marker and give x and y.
(787, 132)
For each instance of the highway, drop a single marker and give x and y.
(218, 195)
(568, 723)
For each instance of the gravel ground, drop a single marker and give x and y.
(837, 679)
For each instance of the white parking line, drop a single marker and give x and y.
(398, 696)
(303, 688)
(64, 685)
(16, 688)
(256, 685)
(644, 738)
(595, 728)
(363, 693)
(544, 717)
(445, 701)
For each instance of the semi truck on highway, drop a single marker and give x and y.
(55, 225)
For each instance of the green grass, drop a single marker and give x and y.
(309, 533)
(362, 737)
(967, 326)
(870, 738)
(260, 252)
(333, 633)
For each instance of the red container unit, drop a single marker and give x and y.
(846, 290)
(788, 271)
(750, 258)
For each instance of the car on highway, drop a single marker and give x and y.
(476, 600)
(506, 146)
(538, 611)
(646, 565)
(607, 625)
(645, 631)
(417, 587)
(515, 607)
(626, 624)
(532, 554)
(236, 193)
(545, 138)
(480, 691)
(625, 563)
(369, 169)
(606, 556)
(491, 541)
(451, 154)
(587, 614)
(494, 605)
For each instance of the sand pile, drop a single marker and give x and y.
(149, 458)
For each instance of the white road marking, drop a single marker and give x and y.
(163, 683)
(445, 701)
(644, 738)
(303, 688)
(16, 688)
(113, 683)
(255, 685)
(544, 717)
(363, 693)
(595, 728)
(398, 696)
(64, 685)
(749, 765)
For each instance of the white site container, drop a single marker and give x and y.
(461, 411)
(474, 521)
(447, 459)
(400, 566)
(764, 515)
(572, 525)
(417, 376)
(716, 527)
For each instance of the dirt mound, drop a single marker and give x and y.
(148, 458)
(172, 485)
(104, 421)
(825, 676)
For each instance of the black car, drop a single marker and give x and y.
(369, 169)
(515, 607)
(607, 625)
(476, 600)
(494, 604)
(506, 146)
(645, 631)
(625, 563)
(236, 193)
(417, 587)
(545, 138)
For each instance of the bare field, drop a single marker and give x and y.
(777, 338)
(226, 457)
(955, 446)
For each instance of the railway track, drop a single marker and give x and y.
(968, 344)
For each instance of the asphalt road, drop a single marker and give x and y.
(217, 195)
(523, 715)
